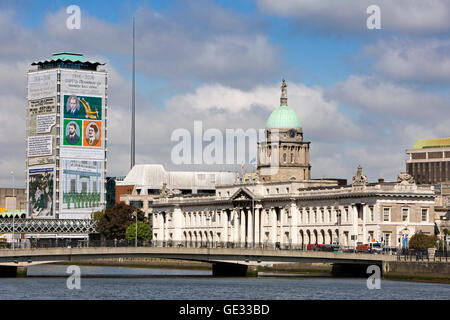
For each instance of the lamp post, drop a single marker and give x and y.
(135, 240)
(14, 222)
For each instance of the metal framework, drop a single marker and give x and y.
(47, 226)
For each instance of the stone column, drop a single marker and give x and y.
(354, 217)
(257, 226)
(224, 224)
(250, 227)
(364, 230)
(294, 212)
(236, 226)
(177, 226)
(273, 226)
(242, 225)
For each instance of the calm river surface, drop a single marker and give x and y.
(150, 283)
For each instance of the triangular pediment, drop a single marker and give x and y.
(242, 194)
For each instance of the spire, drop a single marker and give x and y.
(283, 100)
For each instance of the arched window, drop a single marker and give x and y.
(284, 157)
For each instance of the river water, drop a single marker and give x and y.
(50, 282)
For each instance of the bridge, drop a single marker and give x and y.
(225, 261)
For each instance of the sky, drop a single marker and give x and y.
(363, 96)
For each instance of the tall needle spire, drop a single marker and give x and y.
(133, 109)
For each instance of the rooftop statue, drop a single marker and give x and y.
(359, 179)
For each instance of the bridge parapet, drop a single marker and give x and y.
(83, 226)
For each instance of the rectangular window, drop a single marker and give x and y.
(386, 214)
(137, 204)
(424, 215)
(405, 214)
(371, 214)
(387, 239)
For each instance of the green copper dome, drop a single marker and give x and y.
(283, 117)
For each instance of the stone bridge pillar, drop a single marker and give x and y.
(12, 271)
(223, 269)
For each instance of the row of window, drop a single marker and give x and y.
(306, 216)
(405, 214)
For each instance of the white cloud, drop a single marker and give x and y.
(420, 61)
(418, 17)
(389, 99)
(207, 43)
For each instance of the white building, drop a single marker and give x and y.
(291, 209)
(147, 181)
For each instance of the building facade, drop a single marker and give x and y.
(294, 213)
(285, 206)
(429, 161)
(13, 199)
(66, 138)
(146, 182)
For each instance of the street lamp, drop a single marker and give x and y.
(135, 240)
(14, 222)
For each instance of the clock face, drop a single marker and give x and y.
(292, 133)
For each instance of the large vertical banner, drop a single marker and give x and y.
(41, 130)
(41, 84)
(82, 188)
(40, 193)
(82, 152)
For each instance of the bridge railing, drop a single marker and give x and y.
(402, 254)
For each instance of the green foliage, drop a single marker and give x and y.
(144, 232)
(421, 241)
(115, 221)
(97, 215)
(446, 232)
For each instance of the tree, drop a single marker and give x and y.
(144, 231)
(115, 221)
(97, 215)
(421, 241)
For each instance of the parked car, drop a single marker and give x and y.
(362, 248)
(390, 250)
(336, 248)
(376, 247)
(316, 247)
